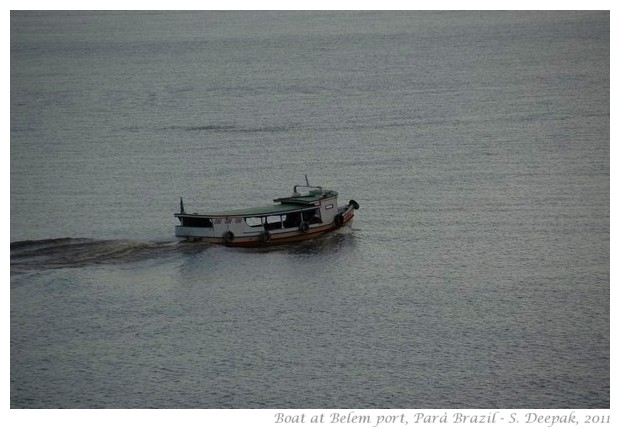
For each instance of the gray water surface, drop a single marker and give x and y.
(476, 273)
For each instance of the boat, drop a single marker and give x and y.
(309, 212)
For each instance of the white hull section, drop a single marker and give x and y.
(235, 231)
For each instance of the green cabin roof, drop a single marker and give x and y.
(311, 198)
(287, 204)
(258, 211)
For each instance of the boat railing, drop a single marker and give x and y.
(306, 186)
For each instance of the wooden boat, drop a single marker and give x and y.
(301, 216)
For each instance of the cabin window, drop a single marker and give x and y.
(312, 216)
(291, 220)
(273, 222)
(254, 221)
(268, 222)
(197, 222)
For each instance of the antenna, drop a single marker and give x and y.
(307, 183)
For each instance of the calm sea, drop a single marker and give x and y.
(476, 274)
